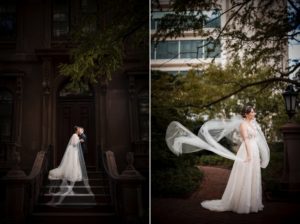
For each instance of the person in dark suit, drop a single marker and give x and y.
(83, 140)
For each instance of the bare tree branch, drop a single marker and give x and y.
(293, 5)
(295, 67)
(266, 81)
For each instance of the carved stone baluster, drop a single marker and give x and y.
(131, 193)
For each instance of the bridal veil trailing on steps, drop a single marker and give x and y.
(243, 193)
(72, 169)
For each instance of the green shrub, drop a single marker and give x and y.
(215, 160)
(272, 174)
(175, 182)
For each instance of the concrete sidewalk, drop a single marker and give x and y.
(189, 210)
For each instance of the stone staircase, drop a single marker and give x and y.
(79, 207)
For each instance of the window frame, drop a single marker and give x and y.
(10, 137)
(62, 37)
(12, 38)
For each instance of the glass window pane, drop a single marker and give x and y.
(84, 90)
(152, 51)
(152, 24)
(191, 48)
(144, 117)
(213, 50)
(60, 18)
(156, 19)
(89, 6)
(172, 72)
(183, 72)
(8, 20)
(167, 50)
(213, 19)
(6, 105)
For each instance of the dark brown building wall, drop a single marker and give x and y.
(35, 56)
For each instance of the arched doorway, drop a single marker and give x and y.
(75, 108)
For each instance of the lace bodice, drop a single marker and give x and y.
(251, 131)
(74, 139)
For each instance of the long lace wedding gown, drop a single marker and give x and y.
(72, 169)
(243, 193)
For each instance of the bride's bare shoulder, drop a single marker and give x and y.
(243, 125)
(75, 135)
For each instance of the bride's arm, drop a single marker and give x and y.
(244, 134)
(74, 140)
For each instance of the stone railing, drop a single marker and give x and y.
(125, 188)
(22, 190)
(7, 154)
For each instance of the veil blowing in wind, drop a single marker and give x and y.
(243, 193)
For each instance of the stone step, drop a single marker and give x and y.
(75, 198)
(91, 168)
(73, 218)
(96, 174)
(101, 181)
(74, 207)
(81, 189)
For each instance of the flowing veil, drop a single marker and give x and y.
(65, 176)
(181, 140)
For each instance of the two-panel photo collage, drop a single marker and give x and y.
(149, 111)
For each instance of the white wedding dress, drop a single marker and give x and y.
(72, 167)
(243, 193)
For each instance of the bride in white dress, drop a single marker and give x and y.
(72, 169)
(243, 193)
(72, 166)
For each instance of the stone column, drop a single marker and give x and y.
(133, 113)
(14, 203)
(45, 103)
(291, 172)
(131, 192)
(19, 107)
(102, 135)
(15, 187)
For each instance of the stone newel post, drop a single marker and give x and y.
(15, 187)
(132, 192)
(291, 172)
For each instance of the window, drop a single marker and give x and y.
(153, 49)
(8, 27)
(156, 17)
(153, 26)
(191, 49)
(6, 105)
(60, 19)
(89, 10)
(143, 102)
(213, 19)
(186, 49)
(167, 49)
(212, 50)
(84, 90)
(182, 72)
(89, 6)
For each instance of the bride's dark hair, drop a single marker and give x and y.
(246, 110)
(75, 128)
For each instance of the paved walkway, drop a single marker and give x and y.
(189, 210)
